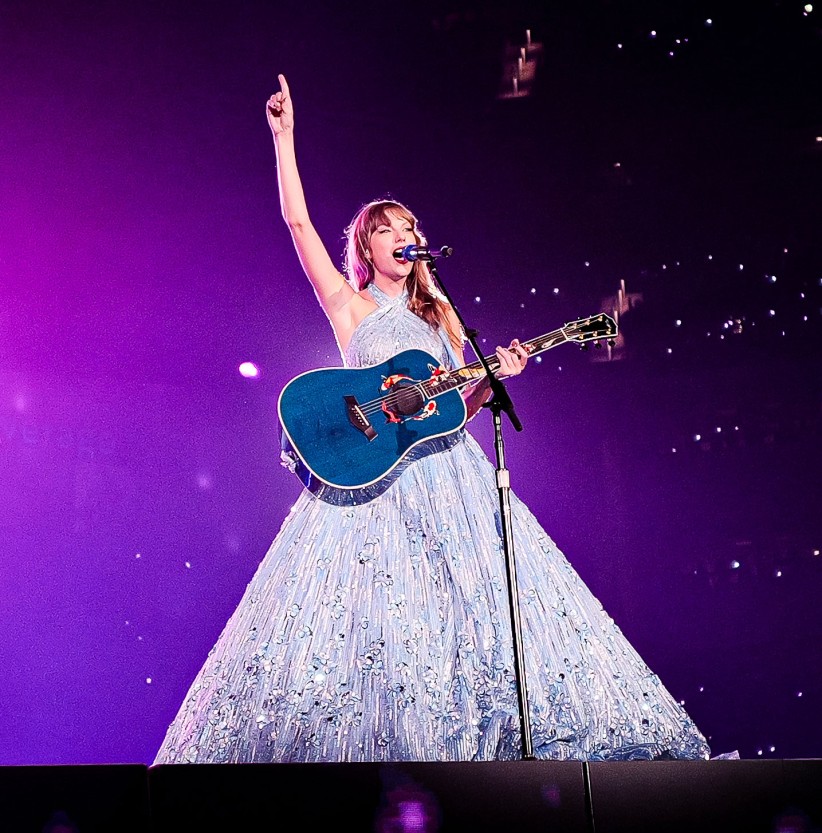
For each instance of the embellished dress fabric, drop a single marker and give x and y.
(377, 628)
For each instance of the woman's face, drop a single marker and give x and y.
(394, 233)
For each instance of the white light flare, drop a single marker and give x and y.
(249, 370)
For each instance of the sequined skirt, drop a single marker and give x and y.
(380, 631)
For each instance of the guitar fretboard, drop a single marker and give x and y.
(462, 376)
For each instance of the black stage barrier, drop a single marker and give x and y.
(373, 798)
(695, 796)
(707, 796)
(86, 799)
(778, 796)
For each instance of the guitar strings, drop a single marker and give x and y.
(376, 405)
(395, 394)
(452, 382)
(392, 398)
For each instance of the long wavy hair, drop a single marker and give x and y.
(424, 299)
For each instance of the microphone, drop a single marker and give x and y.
(422, 253)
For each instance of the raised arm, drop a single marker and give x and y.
(333, 292)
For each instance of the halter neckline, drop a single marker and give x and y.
(383, 299)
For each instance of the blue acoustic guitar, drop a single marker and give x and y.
(350, 427)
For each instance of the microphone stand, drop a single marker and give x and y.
(499, 403)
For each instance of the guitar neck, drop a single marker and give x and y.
(595, 329)
(463, 376)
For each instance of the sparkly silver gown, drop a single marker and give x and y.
(377, 628)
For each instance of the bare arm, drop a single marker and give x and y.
(332, 291)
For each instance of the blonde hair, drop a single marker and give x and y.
(424, 299)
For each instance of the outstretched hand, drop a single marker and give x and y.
(280, 110)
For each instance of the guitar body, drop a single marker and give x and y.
(351, 426)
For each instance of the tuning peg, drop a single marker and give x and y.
(612, 342)
(598, 345)
(583, 347)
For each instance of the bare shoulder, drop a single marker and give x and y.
(347, 317)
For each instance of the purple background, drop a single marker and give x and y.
(143, 257)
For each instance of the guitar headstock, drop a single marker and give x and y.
(595, 328)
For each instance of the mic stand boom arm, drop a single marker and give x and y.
(501, 402)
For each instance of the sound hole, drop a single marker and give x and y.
(406, 399)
